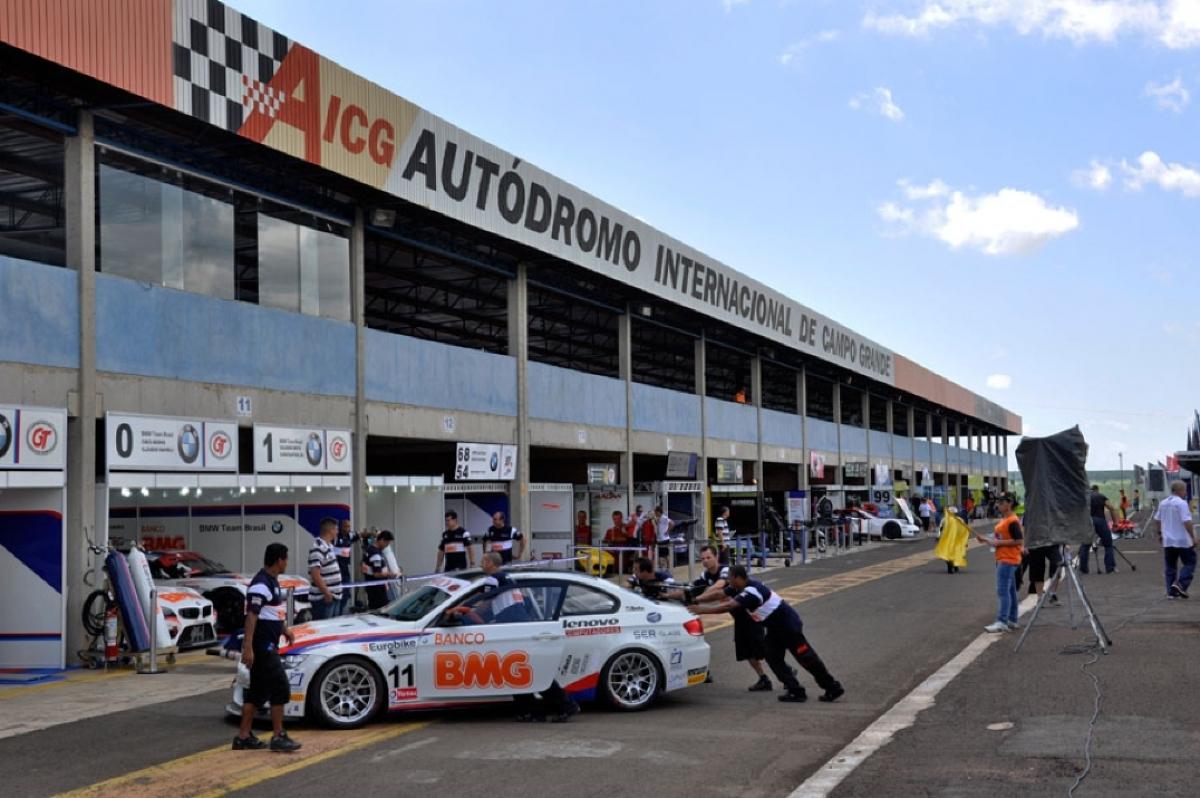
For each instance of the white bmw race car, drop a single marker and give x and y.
(190, 617)
(903, 526)
(224, 588)
(596, 639)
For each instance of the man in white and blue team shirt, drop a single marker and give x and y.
(785, 632)
(749, 638)
(325, 595)
(375, 569)
(502, 538)
(1177, 534)
(266, 622)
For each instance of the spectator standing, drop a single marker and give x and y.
(324, 573)
(1124, 505)
(344, 543)
(1137, 500)
(924, 510)
(1177, 534)
(662, 533)
(1098, 503)
(1007, 542)
(375, 568)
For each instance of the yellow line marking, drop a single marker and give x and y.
(219, 771)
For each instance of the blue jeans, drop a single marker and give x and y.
(344, 604)
(1172, 555)
(1100, 526)
(324, 609)
(1006, 591)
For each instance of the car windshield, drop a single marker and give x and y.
(415, 605)
(202, 566)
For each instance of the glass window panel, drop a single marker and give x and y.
(208, 247)
(130, 216)
(310, 266)
(278, 264)
(334, 276)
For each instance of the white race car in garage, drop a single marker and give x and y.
(224, 588)
(903, 526)
(190, 617)
(596, 639)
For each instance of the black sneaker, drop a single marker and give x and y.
(565, 715)
(763, 685)
(708, 679)
(1053, 600)
(250, 743)
(832, 694)
(529, 717)
(284, 744)
(794, 696)
(1179, 591)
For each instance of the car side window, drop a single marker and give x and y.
(584, 600)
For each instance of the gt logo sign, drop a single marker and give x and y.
(453, 671)
(219, 445)
(41, 437)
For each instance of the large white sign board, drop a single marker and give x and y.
(168, 443)
(32, 437)
(296, 450)
(485, 461)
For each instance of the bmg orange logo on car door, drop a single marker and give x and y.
(454, 671)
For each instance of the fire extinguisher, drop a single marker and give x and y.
(110, 634)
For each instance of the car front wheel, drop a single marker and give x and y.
(346, 693)
(631, 680)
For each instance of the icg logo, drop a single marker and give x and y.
(41, 437)
(189, 443)
(5, 434)
(313, 449)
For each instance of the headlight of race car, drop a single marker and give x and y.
(293, 661)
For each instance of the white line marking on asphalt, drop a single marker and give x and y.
(382, 755)
(901, 716)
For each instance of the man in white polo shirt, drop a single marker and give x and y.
(1177, 534)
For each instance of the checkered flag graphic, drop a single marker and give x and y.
(223, 61)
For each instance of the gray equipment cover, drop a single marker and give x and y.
(1056, 489)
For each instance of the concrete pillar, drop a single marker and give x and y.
(79, 194)
(518, 348)
(358, 314)
(702, 467)
(945, 441)
(802, 409)
(837, 421)
(866, 418)
(625, 361)
(891, 431)
(912, 447)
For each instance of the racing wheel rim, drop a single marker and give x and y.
(632, 678)
(348, 693)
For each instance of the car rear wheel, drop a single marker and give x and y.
(631, 680)
(346, 693)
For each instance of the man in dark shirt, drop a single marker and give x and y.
(344, 545)
(454, 549)
(785, 632)
(502, 538)
(649, 582)
(1098, 503)
(375, 568)
(749, 638)
(266, 622)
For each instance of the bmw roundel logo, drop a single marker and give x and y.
(189, 443)
(313, 449)
(494, 463)
(653, 617)
(5, 434)
(277, 527)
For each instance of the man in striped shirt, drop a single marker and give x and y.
(325, 595)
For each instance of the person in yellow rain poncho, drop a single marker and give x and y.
(952, 541)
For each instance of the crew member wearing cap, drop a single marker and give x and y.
(375, 568)
(454, 549)
(502, 538)
(1007, 543)
(785, 632)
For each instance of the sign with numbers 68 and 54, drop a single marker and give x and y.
(296, 450)
(485, 461)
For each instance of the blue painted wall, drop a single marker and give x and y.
(39, 313)
(854, 440)
(406, 370)
(663, 410)
(902, 449)
(782, 429)
(881, 445)
(730, 420)
(160, 332)
(561, 394)
(822, 435)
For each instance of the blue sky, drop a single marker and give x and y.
(1002, 190)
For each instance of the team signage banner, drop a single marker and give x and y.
(296, 450)
(485, 461)
(231, 71)
(32, 438)
(167, 443)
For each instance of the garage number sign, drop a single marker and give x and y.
(168, 443)
(485, 461)
(296, 450)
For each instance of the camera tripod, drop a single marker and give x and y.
(1066, 572)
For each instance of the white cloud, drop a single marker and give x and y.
(1097, 176)
(1001, 382)
(794, 50)
(880, 101)
(1173, 23)
(1150, 169)
(728, 5)
(1172, 96)
(1007, 222)
(1112, 423)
